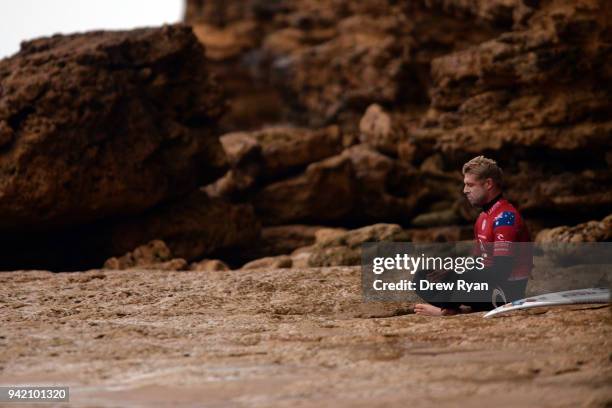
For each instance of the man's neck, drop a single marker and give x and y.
(486, 207)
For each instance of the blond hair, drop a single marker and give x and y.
(484, 168)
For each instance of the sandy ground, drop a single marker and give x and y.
(287, 338)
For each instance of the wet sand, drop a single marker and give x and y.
(286, 338)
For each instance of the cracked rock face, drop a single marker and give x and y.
(341, 114)
(104, 124)
(438, 82)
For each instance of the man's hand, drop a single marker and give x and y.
(436, 276)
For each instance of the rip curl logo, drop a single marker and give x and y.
(500, 237)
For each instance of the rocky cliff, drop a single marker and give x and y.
(102, 135)
(414, 89)
(242, 136)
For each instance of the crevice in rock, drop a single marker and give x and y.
(15, 121)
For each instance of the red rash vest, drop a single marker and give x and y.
(497, 227)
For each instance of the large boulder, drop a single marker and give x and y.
(104, 124)
(326, 191)
(554, 192)
(153, 255)
(270, 262)
(489, 97)
(282, 149)
(574, 246)
(341, 247)
(206, 265)
(388, 190)
(591, 231)
(332, 247)
(270, 154)
(336, 248)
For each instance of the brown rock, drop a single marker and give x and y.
(235, 183)
(573, 246)
(228, 42)
(383, 132)
(240, 147)
(360, 62)
(326, 191)
(440, 234)
(154, 255)
(433, 164)
(104, 124)
(360, 183)
(244, 155)
(344, 248)
(371, 233)
(220, 14)
(282, 149)
(334, 256)
(592, 231)
(490, 97)
(437, 218)
(231, 35)
(282, 239)
(387, 189)
(556, 191)
(330, 60)
(523, 99)
(271, 153)
(335, 247)
(209, 265)
(273, 262)
(328, 234)
(192, 228)
(406, 151)
(286, 148)
(505, 13)
(6, 134)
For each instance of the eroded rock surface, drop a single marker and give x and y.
(154, 255)
(434, 83)
(592, 231)
(332, 59)
(104, 124)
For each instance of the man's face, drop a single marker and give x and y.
(475, 189)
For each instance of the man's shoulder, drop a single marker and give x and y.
(505, 205)
(505, 214)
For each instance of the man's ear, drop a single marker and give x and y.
(489, 184)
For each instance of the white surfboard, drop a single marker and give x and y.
(590, 295)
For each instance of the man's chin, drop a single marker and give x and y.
(475, 204)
